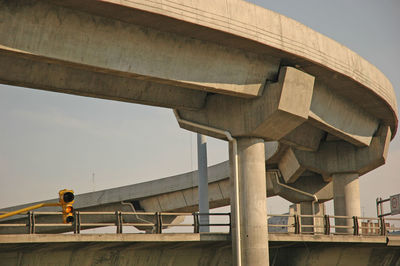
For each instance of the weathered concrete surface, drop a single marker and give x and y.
(232, 24)
(311, 224)
(283, 106)
(246, 59)
(190, 249)
(341, 157)
(317, 254)
(139, 250)
(239, 46)
(125, 49)
(252, 205)
(340, 117)
(346, 199)
(309, 182)
(227, 64)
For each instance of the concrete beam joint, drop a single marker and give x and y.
(342, 157)
(290, 167)
(283, 106)
(341, 117)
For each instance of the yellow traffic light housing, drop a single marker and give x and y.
(66, 201)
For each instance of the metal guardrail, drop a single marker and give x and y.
(154, 222)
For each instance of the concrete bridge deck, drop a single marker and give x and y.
(193, 249)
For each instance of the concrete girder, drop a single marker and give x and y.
(290, 167)
(340, 117)
(57, 76)
(187, 200)
(95, 43)
(283, 106)
(304, 137)
(342, 157)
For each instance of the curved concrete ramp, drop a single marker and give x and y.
(171, 194)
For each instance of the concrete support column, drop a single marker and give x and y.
(306, 208)
(346, 199)
(252, 203)
(203, 182)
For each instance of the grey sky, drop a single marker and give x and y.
(51, 141)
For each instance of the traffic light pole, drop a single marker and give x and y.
(37, 206)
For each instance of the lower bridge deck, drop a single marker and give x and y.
(192, 249)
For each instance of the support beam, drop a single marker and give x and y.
(304, 137)
(57, 76)
(343, 157)
(290, 167)
(203, 181)
(283, 106)
(252, 207)
(346, 199)
(341, 117)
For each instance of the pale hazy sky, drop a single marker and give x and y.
(51, 141)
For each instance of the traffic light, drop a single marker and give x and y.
(66, 201)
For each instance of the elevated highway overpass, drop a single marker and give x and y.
(230, 70)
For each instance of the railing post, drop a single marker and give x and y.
(77, 222)
(31, 222)
(158, 223)
(356, 228)
(230, 223)
(382, 225)
(297, 225)
(118, 215)
(327, 224)
(196, 224)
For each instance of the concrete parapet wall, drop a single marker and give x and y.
(190, 249)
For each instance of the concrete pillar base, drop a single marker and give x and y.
(346, 191)
(305, 208)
